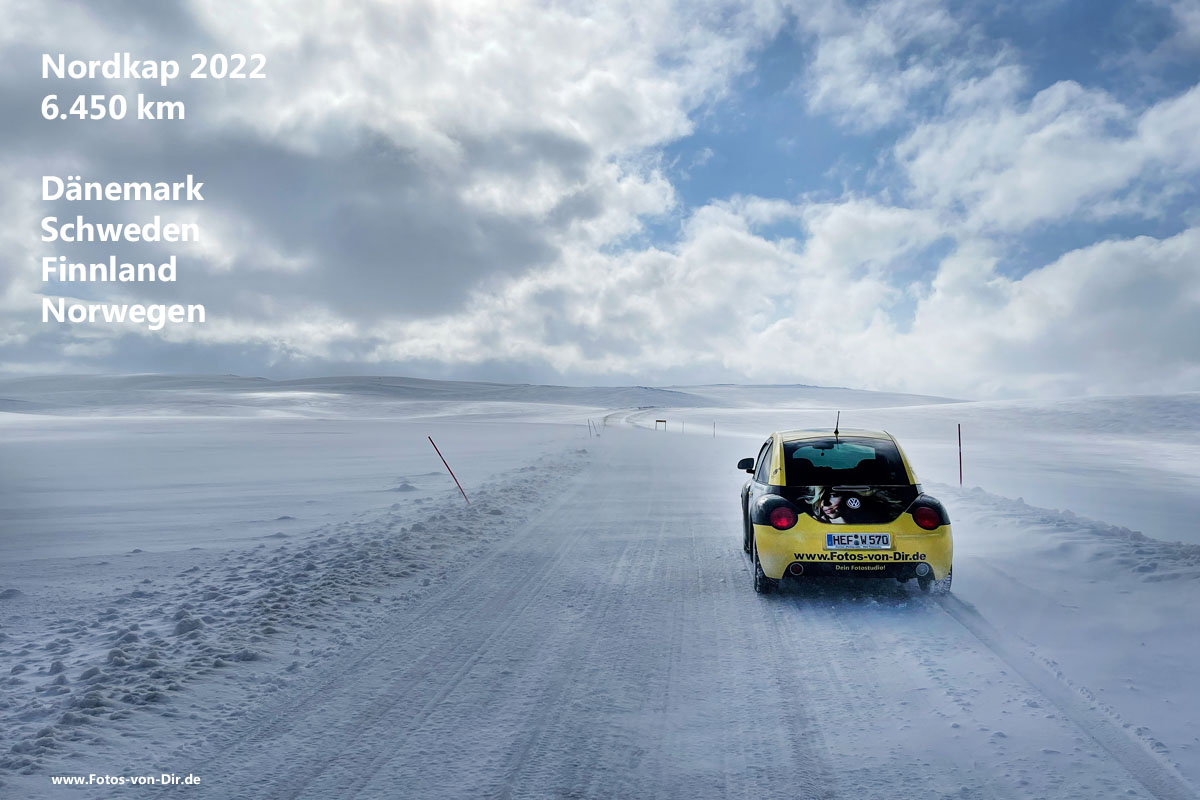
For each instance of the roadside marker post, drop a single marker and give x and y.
(452, 475)
(960, 454)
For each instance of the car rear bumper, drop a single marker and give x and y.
(779, 550)
(872, 569)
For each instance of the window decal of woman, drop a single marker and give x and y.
(827, 505)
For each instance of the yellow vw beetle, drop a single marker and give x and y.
(841, 503)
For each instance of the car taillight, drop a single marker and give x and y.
(782, 518)
(927, 517)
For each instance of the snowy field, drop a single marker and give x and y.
(275, 586)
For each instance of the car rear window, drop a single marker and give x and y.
(843, 461)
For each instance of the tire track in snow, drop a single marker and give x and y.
(657, 709)
(658, 705)
(536, 692)
(282, 719)
(1157, 778)
(556, 757)
(883, 656)
(866, 647)
(385, 734)
(379, 708)
(551, 706)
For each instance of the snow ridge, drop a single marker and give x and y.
(255, 619)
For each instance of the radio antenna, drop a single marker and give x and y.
(836, 424)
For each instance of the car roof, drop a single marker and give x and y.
(824, 433)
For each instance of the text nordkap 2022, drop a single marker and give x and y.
(123, 67)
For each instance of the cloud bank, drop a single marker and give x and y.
(472, 189)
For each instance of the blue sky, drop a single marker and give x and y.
(763, 140)
(998, 197)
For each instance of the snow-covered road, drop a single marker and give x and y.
(613, 648)
(293, 601)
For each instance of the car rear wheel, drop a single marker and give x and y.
(941, 586)
(762, 584)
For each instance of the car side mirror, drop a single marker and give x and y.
(746, 464)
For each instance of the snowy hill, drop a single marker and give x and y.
(224, 395)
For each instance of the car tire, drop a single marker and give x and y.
(762, 584)
(941, 586)
(745, 529)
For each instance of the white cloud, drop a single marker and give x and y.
(619, 77)
(719, 299)
(1067, 152)
(1117, 316)
(1186, 14)
(870, 63)
(851, 233)
(399, 153)
(730, 299)
(522, 107)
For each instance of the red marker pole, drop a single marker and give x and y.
(960, 454)
(452, 475)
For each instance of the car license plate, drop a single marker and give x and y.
(858, 541)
